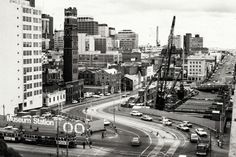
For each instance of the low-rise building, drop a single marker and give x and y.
(130, 82)
(54, 95)
(102, 77)
(199, 67)
(99, 60)
(131, 57)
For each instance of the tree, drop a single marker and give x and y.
(6, 151)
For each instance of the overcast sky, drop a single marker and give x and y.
(215, 20)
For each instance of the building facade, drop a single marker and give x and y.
(87, 25)
(59, 40)
(70, 72)
(103, 30)
(47, 31)
(99, 60)
(177, 42)
(128, 40)
(21, 54)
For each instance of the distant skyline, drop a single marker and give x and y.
(215, 20)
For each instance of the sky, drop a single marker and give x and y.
(214, 20)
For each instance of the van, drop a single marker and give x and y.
(194, 138)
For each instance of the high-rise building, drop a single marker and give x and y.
(187, 39)
(196, 42)
(87, 25)
(20, 61)
(112, 32)
(128, 40)
(103, 30)
(177, 41)
(47, 31)
(70, 45)
(59, 40)
(103, 44)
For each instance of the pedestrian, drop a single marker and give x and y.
(90, 144)
(84, 145)
(102, 134)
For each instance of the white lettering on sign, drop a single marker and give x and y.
(37, 121)
(77, 128)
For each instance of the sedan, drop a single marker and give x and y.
(187, 123)
(201, 132)
(135, 113)
(135, 141)
(106, 122)
(183, 127)
(166, 122)
(146, 118)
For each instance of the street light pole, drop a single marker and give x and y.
(57, 131)
(3, 107)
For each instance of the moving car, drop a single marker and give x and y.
(146, 118)
(96, 96)
(135, 141)
(201, 132)
(166, 122)
(106, 122)
(135, 113)
(187, 123)
(183, 127)
(194, 138)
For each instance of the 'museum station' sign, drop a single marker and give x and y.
(43, 124)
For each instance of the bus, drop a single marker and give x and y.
(10, 134)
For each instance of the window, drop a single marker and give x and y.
(26, 19)
(35, 12)
(27, 27)
(26, 10)
(27, 36)
(27, 44)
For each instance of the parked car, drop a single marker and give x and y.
(135, 141)
(107, 94)
(166, 122)
(74, 101)
(124, 95)
(101, 94)
(146, 118)
(183, 127)
(135, 113)
(187, 123)
(106, 122)
(201, 132)
(194, 138)
(96, 96)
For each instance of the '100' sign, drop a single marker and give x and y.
(77, 128)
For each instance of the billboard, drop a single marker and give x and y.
(42, 124)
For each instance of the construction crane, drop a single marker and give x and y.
(161, 85)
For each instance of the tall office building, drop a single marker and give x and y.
(103, 30)
(187, 38)
(47, 31)
(177, 41)
(59, 40)
(128, 40)
(20, 57)
(87, 25)
(70, 45)
(112, 32)
(196, 42)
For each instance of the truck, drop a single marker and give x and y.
(203, 147)
(97, 125)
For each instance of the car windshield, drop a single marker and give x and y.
(135, 139)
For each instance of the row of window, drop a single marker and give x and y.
(27, 78)
(194, 73)
(27, 61)
(39, 76)
(29, 52)
(29, 28)
(196, 62)
(28, 86)
(38, 68)
(54, 98)
(29, 44)
(194, 69)
(29, 94)
(37, 60)
(27, 19)
(29, 36)
(27, 69)
(28, 10)
(37, 20)
(196, 66)
(38, 84)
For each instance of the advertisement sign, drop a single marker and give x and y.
(42, 124)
